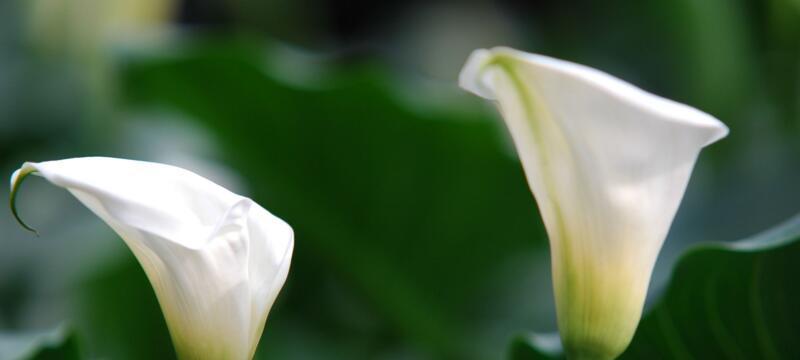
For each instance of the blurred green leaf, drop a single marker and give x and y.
(734, 300)
(55, 344)
(405, 212)
(781, 58)
(713, 45)
(119, 315)
(534, 346)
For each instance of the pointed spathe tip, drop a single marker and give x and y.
(16, 179)
(721, 131)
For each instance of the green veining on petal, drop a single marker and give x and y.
(17, 181)
(576, 285)
(569, 273)
(506, 63)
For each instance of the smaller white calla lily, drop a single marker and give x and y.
(608, 164)
(216, 260)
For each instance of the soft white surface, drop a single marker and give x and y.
(608, 164)
(478, 78)
(216, 260)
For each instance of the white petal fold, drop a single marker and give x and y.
(216, 260)
(608, 164)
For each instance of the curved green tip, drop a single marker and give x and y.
(16, 180)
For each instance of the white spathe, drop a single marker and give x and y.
(217, 260)
(608, 164)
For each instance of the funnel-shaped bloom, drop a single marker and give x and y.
(608, 164)
(216, 260)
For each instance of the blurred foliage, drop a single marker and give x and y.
(417, 237)
(56, 344)
(370, 188)
(732, 300)
(122, 326)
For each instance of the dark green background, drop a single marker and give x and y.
(416, 235)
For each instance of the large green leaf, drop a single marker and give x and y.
(737, 300)
(54, 344)
(402, 216)
(118, 315)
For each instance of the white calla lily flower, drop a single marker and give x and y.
(216, 260)
(608, 164)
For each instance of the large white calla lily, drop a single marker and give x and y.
(608, 164)
(216, 260)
